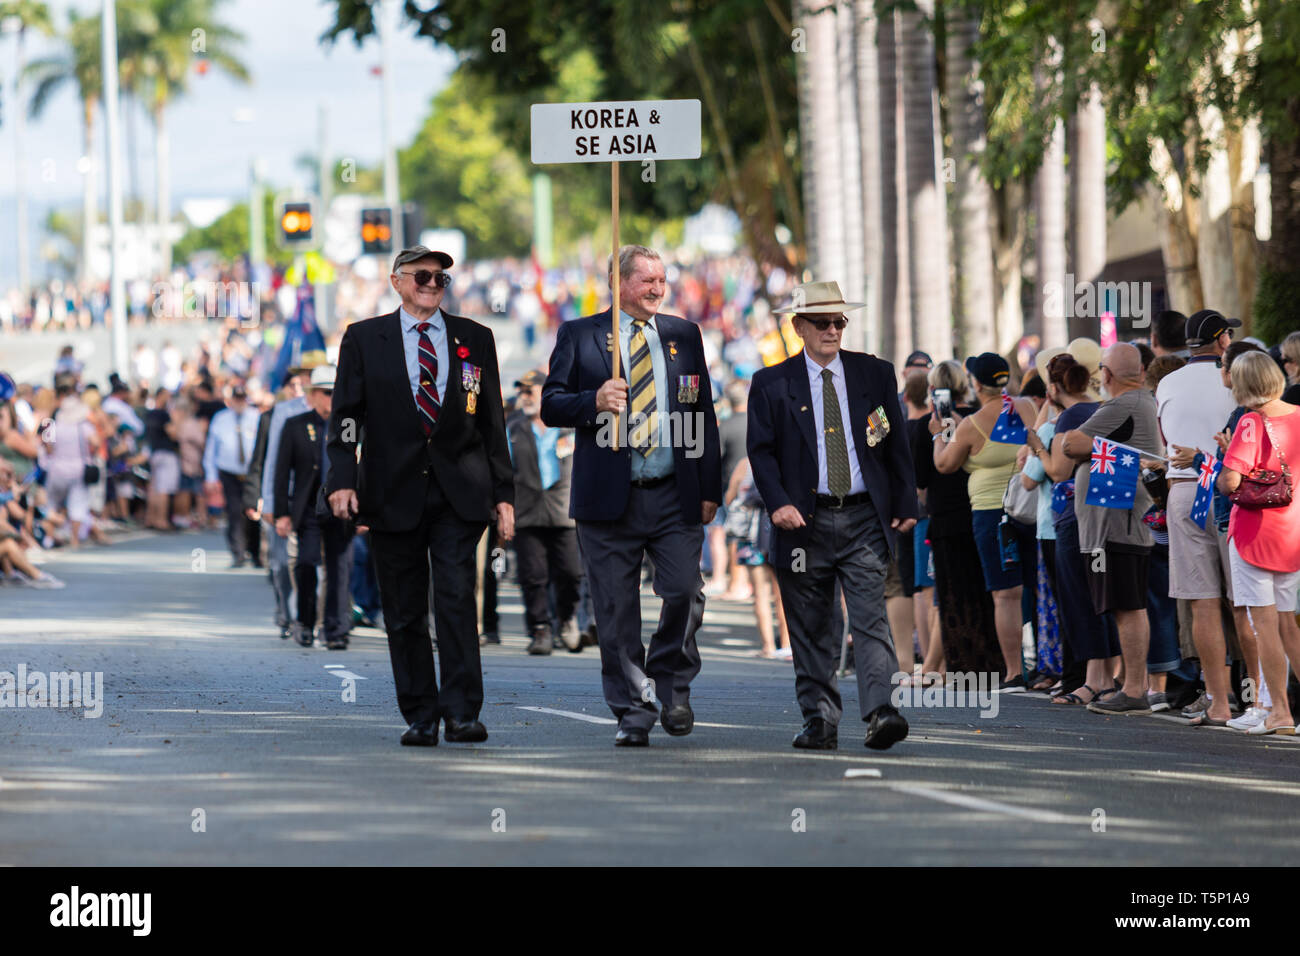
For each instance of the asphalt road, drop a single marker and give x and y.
(220, 744)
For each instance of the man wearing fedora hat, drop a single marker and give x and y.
(417, 453)
(298, 474)
(830, 458)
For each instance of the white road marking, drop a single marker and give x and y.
(342, 673)
(330, 667)
(574, 714)
(990, 806)
(861, 772)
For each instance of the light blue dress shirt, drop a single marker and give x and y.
(660, 461)
(281, 413)
(548, 463)
(856, 485)
(222, 450)
(411, 346)
(1034, 469)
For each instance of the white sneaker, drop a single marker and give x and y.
(1252, 718)
(46, 582)
(784, 653)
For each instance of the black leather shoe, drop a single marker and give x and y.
(464, 731)
(489, 637)
(885, 727)
(679, 721)
(303, 636)
(285, 632)
(817, 735)
(589, 636)
(423, 733)
(632, 737)
(337, 644)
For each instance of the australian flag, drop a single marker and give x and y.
(1113, 475)
(1205, 490)
(1009, 429)
(302, 337)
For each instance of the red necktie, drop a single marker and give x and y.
(426, 395)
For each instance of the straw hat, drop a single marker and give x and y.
(818, 298)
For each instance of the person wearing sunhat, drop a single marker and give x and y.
(979, 447)
(546, 542)
(830, 458)
(298, 474)
(418, 454)
(1193, 404)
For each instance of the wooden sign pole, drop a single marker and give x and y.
(613, 308)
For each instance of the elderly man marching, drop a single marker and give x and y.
(830, 459)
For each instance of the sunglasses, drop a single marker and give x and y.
(821, 325)
(422, 276)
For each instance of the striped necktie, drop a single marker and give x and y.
(643, 419)
(838, 477)
(426, 394)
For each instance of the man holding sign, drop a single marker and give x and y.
(1110, 502)
(647, 477)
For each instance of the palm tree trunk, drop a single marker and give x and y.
(163, 207)
(1176, 222)
(20, 167)
(1243, 148)
(1088, 202)
(926, 199)
(895, 283)
(1053, 296)
(874, 237)
(819, 132)
(89, 195)
(1214, 240)
(853, 279)
(1008, 263)
(973, 313)
(1279, 278)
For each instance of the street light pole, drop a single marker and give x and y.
(117, 287)
(386, 24)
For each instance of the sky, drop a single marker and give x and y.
(292, 74)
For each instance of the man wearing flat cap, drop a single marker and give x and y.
(830, 458)
(417, 453)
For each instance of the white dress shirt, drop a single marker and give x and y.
(856, 484)
(222, 450)
(411, 346)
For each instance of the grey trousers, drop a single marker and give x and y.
(612, 552)
(277, 569)
(848, 544)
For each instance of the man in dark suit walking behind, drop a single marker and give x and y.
(652, 496)
(419, 393)
(830, 459)
(298, 469)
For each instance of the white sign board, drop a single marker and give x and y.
(632, 130)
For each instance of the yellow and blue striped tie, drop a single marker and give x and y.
(643, 423)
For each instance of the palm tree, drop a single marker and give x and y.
(867, 77)
(895, 283)
(820, 138)
(17, 17)
(1088, 199)
(158, 48)
(80, 64)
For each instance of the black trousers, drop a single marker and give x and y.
(403, 559)
(546, 556)
(632, 677)
(242, 533)
(325, 539)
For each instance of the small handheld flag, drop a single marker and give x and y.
(1205, 490)
(1113, 475)
(1009, 429)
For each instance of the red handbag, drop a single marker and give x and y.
(1263, 488)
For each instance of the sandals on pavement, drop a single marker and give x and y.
(1074, 698)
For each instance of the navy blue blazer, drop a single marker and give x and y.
(782, 444)
(580, 364)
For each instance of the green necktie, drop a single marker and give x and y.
(838, 478)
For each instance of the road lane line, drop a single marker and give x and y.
(991, 806)
(570, 713)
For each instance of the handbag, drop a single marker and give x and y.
(1263, 488)
(1020, 502)
(89, 470)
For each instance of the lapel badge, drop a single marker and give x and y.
(609, 341)
(311, 432)
(672, 350)
(688, 389)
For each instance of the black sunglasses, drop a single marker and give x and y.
(821, 325)
(422, 276)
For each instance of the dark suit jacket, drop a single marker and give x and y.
(253, 478)
(375, 411)
(299, 460)
(580, 364)
(782, 444)
(535, 506)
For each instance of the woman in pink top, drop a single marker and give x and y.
(1264, 543)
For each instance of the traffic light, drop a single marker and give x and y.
(377, 231)
(295, 223)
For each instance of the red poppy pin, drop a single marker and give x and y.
(462, 352)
